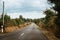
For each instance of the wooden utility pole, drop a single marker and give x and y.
(3, 12)
(2, 30)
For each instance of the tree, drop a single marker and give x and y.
(0, 22)
(57, 8)
(48, 14)
(20, 17)
(6, 18)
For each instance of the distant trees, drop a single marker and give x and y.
(13, 22)
(36, 21)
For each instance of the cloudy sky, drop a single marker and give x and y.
(26, 8)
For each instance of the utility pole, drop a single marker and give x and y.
(2, 30)
(3, 12)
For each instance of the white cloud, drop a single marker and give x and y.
(36, 3)
(26, 8)
(18, 3)
(13, 3)
(39, 3)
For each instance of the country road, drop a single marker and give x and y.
(31, 32)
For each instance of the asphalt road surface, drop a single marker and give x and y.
(31, 32)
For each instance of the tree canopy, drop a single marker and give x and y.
(57, 8)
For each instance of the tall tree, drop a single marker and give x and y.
(57, 8)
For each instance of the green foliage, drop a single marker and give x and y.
(49, 20)
(37, 21)
(57, 4)
(7, 18)
(48, 14)
(13, 22)
(57, 8)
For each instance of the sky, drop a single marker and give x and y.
(27, 8)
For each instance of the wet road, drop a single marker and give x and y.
(31, 32)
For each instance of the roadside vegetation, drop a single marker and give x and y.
(11, 25)
(50, 24)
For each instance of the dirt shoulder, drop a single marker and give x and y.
(14, 28)
(48, 33)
